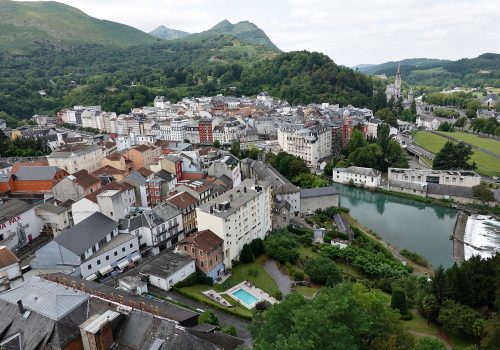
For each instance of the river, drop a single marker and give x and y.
(404, 223)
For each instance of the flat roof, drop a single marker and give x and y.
(165, 264)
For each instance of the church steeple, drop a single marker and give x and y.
(397, 83)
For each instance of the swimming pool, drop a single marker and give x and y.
(245, 297)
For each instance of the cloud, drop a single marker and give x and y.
(349, 31)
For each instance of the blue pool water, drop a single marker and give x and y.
(245, 297)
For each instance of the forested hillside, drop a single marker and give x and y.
(122, 78)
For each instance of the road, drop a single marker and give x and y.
(224, 318)
(413, 148)
(281, 279)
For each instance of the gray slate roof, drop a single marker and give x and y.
(318, 192)
(13, 207)
(34, 173)
(51, 208)
(85, 234)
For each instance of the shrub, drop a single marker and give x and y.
(278, 295)
(208, 317)
(398, 301)
(282, 246)
(262, 305)
(416, 258)
(461, 320)
(320, 269)
(253, 272)
(257, 246)
(246, 254)
(231, 330)
(298, 276)
(429, 343)
(195, 278)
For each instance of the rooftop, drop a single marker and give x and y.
(165, 264)
(359, 170)
(7, 258)
(205, 240)
(12, 208)
(318, 192)
(86, 233)
(182, 200)
(51, 208)
(36, 173)
(84, 178)
(68, 151)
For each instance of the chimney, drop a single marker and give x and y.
(20, 306)
(211, 209)
(245, 189)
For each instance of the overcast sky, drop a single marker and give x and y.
(349, 31)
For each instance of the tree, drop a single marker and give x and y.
(321, 269)
(231, 330)
(216, 144)
(460, 123)
(413, 107)
(246, 254)
(352, 315)
(257, 246)
(298, 276)
(430, 307)
(491, 334)
(357, 141)
(282, 247)
(395, 156)
(208, 317)
(438, 284)
(383, 138)
(398, 301)
(235, 149)
(307, 180)
(368, 156)
(454, 156)
(461, 320)
(253, 152)
(428, 343)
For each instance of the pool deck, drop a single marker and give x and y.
(250, 288)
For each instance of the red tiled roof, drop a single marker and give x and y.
(109, 170)
(7, 258)
(182, 200)
(142, 148)
(115, 156)
(145, 172)
(85, 179)
(205, 240)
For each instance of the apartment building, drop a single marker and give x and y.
(465, 178)
(238, 216)
(312, 143)
(73, 158)
(359, 176)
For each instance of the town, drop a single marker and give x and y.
(176, 197)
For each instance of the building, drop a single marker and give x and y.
(118, 161)
(10, 271)
(208, 251)
(312, 199)
(168, 269)
(173, 165)
(203, 191)
(73, 158)
(358, 176)
(185, 204)
(76, 186)
(464, 178)
(206, 131)
(394, 90)
(312, 144)
(141, 187)
(91, 247)
(238, 216)
(19, 224)
(113, 200)
(160, 227)
(143, 156)
(56, 218)
(36, 179)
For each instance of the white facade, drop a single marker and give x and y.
(123, 142)
(365, 177)
(311, 144)
(28, 220)
(465, 178)
(73, 159)
(247, 217)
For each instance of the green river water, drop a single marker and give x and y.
(404, 223)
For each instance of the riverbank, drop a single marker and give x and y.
(417, 269)
(458, 237)
(426, 200)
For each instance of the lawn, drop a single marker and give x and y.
(241, 273)
(482, 142)
(308, 292)
(486, 164)
(194, 292)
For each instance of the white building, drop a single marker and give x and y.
(19, 223)
(364, 177)
(93, 247)
(238, 216)
(161, 102)
(312, 144)
(168, 269)
(465, 178)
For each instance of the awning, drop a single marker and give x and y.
(123, 264)
(105, 270)
(92, 277)
(136, 257)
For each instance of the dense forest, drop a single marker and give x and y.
(122, 78)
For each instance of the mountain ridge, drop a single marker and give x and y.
(165, 33)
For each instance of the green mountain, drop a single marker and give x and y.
(31, 24)
(480, 71)
(165, 33)
(244, 31)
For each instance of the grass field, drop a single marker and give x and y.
(486, 164)
(488, 144)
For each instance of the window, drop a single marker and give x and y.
(210, 262)
(185, 248)
(201, 252)
(201, 263)
(193, 250)
(116, 253)
(107, 257)
(89, 266)
(131, 245)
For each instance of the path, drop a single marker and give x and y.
(493, 154)
(225, 319)
(281, 279)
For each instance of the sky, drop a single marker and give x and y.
(349, 31)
